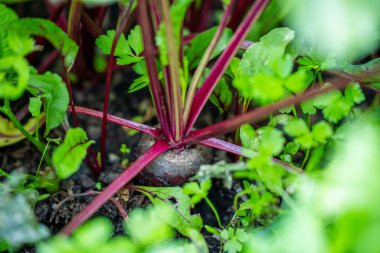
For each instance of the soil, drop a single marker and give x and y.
(74, 194)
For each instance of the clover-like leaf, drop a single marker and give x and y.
(296, 127)
(248, 136)
(271, 141)
(234, 239)
(197, 191)
(354, 93)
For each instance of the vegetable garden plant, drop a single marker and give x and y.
(284, 103)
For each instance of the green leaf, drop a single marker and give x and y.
(177, 14)
(7, 15)
(20, 44)
(178, 11)
(233, 68)
(149, 227)
(248, 136)
(307, 63)
(45, 28)
(271, 141)
(211, 230)
(308, 107)
(55, 97)
(271, 46)
(18, 222)
(304, 137)
(69, 155)
(104, 42)
(233, 246)
(322, 101)
(265, 70)
(321, 131)
(141, 81)
(296, 127)
(8, 128)
(93, 236)
(127, 50)
(97, 231)
(201, 41)
(34, 107)
(298, 81)
(336, 106)
(306, 141)
(234, 239)
(181, 219)
(337, 110)
(14, 75)
(291, 148)
(265, 89)
(135, 40)
(138, 84)
(14, 69)
(221, 97)
(196, 191)
(354, 93)
(272, 177)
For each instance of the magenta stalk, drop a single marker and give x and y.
(222, 63)
(120, 121)
(255, 115)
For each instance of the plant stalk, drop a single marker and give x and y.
(204, 61)
(6, 109)
(74, 20)
(122, 23)
(222, 63)
(91, 157)
(247, 153)
(120, 121)
(90, 25)
(154, 84)
(173, 57)
(211, 205)
(256, 115)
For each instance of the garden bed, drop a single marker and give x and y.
(189, 126)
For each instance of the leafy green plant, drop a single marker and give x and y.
(157, 235)
(199, 192)
(17, 75)
(234, 239)
(281, 78)
(18, 225)
(181, 217)
(336, 212)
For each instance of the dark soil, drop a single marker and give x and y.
(74, 195)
